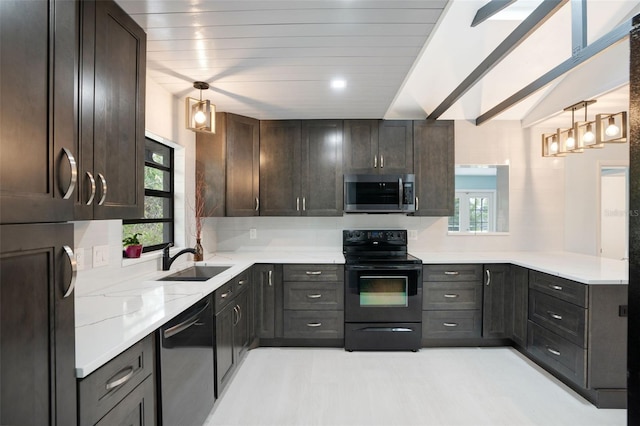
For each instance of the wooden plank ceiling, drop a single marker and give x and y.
(275, 59)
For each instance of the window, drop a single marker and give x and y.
(157, 225)
(473, 212)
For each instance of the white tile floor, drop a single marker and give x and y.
(439, 386)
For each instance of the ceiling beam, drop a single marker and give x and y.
(517, 36)
(615, 36)
(490, 9)
(578, 25)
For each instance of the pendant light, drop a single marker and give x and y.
(612, 128)
(200, 114)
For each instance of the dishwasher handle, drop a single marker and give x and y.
(182, 326)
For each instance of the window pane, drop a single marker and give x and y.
(157, 207)
(478, 214)
(152, 233)
(454, 221)
(157, 179)
(157, 153)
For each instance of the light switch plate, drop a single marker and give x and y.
(79, 258)
(253, 234)
(100, 256)
(412, 234)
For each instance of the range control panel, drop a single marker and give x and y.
(358, 236)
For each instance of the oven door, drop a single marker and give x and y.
(377, 293)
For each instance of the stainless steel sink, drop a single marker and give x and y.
(196, 273)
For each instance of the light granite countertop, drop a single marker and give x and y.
(108, 321)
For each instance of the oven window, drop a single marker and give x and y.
(377, 291)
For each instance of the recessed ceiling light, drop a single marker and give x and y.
(338, 83)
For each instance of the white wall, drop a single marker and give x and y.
(164, 118)
(536, 205)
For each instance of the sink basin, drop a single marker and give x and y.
(196, 273)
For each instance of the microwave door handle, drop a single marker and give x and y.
(400, 193)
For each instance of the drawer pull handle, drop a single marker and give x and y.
(553, 351)
(450, 324)
(554, 315)
(555, 287)
(73, 179)
(314, 272)
(451, 273)
(450, 296)
(74, 271)
(93, 188)
(314, 296)
(225, 295)
(241, 282)
(122, 380)
(314, 324)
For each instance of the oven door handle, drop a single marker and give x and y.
(388, 267)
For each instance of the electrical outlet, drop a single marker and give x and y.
(253, 234)
(100, 256)
(412, 234)
(79, 258)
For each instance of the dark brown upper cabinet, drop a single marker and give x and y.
(38, 137)
(378, 146)
(112, 103)
(301, 168)
(434, 165)
(229, 163)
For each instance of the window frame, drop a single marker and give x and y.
(169, 195)
(463, 212)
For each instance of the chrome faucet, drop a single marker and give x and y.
(168, 260)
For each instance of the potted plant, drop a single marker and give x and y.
(132, 245)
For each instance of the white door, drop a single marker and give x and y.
(613, 213)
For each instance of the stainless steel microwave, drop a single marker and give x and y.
(372, 193)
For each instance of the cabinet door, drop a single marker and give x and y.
(520, 304)
(37, 333)
(361, 146)
(264, 300)
(395, 146)
(434, 167)
(224, 346)
(118, 113)
(211, 160)
(38, 109)
(494, 316)
(322, 184)
(280, 168)
(243, 159)
(241, 328)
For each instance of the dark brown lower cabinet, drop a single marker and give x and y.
(233, 321)
(121, 392)
(494, 309)
(519, 293)
(37, 333)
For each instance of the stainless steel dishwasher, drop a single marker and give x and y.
(186, 379)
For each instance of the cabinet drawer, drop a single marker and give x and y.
(451, 324)
(103, 389)
(563, 318)
(561, 288)
(241, 282)
(224, 295)
(321, 295)
(314, 324)
(558, 353)
(452, 272)
(138, 408)
(322, 272)
(452, 295)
